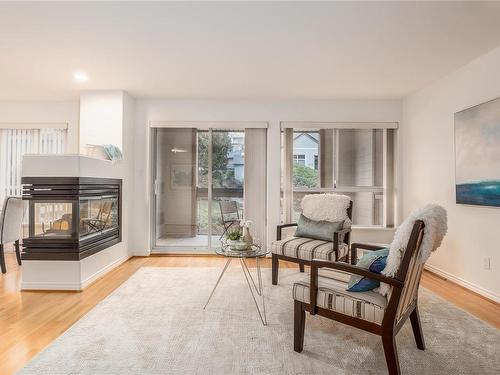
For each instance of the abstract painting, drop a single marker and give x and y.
(477, 154)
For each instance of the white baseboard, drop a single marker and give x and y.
(466, 284)
(34, 285)
(140, 253)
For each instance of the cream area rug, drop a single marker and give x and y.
(155, 324)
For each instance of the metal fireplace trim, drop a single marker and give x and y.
(69, 190)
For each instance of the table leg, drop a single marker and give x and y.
(257, 290)
(261, 288)
(244, 269)
(218, 280)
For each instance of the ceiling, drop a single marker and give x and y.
(245, 50)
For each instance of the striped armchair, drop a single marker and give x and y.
(326, 295)
(303, 250)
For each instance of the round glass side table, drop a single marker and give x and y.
(255, 252)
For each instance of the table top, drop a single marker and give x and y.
(254, 252)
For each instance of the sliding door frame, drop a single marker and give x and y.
(198, 125)
(154, 194)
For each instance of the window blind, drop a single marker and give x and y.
(14, 143)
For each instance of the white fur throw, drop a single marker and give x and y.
(434, 218)
(326, 207)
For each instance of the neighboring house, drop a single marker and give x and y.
(305, 149)
(237, 155)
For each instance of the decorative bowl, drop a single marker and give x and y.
(237, 245)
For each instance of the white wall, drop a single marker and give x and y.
(270, 111)
(13, 112)
(128, 150)
(101, 116)
(428, 165)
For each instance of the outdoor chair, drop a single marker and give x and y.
(230, 214)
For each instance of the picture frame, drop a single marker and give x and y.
(181, 176)
(477, 154)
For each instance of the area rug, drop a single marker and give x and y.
(155, 324)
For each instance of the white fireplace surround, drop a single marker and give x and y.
(72, 275)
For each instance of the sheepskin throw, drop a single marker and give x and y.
(325, 207)
(434, 218)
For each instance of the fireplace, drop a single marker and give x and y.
(71, 218)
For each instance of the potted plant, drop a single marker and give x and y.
(234, 239)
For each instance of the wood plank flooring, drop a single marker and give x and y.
(29, 321)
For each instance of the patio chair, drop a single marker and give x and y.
(230, 214)
(11, 219)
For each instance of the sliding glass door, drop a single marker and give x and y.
(175, 188)
(198, 187)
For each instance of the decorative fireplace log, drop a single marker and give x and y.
(71, 218)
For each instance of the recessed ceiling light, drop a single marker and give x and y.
(81, 77)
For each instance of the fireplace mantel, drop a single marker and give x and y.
(69, 165)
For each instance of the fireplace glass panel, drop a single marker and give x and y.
(53, 219)
(98, 215)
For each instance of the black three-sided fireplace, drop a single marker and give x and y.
(71, 218)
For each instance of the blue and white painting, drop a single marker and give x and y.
(477, 152)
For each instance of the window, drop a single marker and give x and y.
(299, 159)
(357, 162)
(14, 143)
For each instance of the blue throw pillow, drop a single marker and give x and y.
(374, 261)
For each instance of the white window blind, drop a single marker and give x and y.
(14, 143)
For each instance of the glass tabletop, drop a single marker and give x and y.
(253, 252)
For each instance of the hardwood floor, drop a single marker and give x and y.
(29, 321)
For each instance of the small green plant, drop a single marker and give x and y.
(234, 234)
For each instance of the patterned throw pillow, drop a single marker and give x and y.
(317, 230)
(113, 152)
(375, 262)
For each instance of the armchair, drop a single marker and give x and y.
(326, 295)
(302, 250)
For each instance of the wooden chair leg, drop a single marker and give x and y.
(391, 353)
(417, 329)
(18, 252)
(299, 323)
(275, 267)
(301, 267)
(2, 259)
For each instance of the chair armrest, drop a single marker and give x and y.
(342, 231)
(336, 236)
(316, 264)
(280, 227)
(364, 246)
